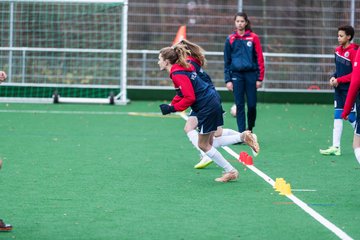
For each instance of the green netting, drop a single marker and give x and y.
(94, 26)
(67, 44)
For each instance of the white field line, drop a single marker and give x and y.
(326, 223)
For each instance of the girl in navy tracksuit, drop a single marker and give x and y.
(243, 69)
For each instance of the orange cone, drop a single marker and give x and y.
(180, 35)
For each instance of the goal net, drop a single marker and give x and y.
(64, 51)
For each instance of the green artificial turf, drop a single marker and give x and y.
(98, 172)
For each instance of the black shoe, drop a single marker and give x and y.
(5, 227)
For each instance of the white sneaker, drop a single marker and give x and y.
(204, 162)
(331, 151)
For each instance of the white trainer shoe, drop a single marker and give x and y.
(204, 162)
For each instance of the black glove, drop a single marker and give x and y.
(166, 109)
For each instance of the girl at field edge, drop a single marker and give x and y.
(344, 59)
(243, 69)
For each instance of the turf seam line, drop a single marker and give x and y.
(83, 112)
(138, 114)
(326, 223)
(303, 190)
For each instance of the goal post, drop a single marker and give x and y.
(64, 51)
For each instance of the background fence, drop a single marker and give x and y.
(284, 72)
(298, 38)
(295, 26)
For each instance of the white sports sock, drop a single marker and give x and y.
(219, 159)
(228, 132)
(226, 140)
(353, 124)
(357, 154)
(337, 131)
(193, 136)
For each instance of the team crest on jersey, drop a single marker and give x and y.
(193, 76)
(249, 43)
(346, 54)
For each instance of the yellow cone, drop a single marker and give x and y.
(279, 183)
(286, 189)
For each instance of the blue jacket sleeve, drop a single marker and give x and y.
(227, 61)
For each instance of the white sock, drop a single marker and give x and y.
(337, 131)
(219, 159)
(228, 132)
(357, 154)
(193, 136)
(353, 124)
(226, 140)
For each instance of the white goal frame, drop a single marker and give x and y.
(120, 98)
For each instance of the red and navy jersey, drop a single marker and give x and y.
(191, 90)
(344, 59)
(354, 86)
(243, 54)
(200, 71)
